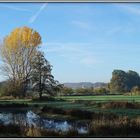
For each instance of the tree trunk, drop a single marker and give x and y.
(40, 94)
(40, 87)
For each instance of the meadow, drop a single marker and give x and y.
(104, 98)
(103, 115)
(116, 104)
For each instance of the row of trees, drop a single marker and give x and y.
(28, 69)
(84, 91)
(24, 65)
(121, 82)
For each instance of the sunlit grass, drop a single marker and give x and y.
(103, 98)
(88, 103)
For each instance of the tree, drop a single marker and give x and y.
(134, 79)
(135, 90)
(119, 82)
(67, 90)
(56, 87)
(17, 51)
(41, 77)
(85, 91)
(122, 81)
(101, 90)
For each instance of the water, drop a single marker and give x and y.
(30, 119)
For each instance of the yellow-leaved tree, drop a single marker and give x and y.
(17, 52)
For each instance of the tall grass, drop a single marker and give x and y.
(103, 127)
(120, 127)
(10, 130)
(119, 104)
(80, 114)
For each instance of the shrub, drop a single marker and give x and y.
(101, 90)
(7, 97)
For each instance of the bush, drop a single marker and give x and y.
(67, 91)
(7, 97)
(11, 89)
(135, 90)
(101, 90)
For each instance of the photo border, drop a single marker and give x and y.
(69, 1)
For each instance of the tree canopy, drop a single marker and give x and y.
(25, 65)
(41, 77)
(17, 51)
(122, 81)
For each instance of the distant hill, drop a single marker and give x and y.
(85, 85)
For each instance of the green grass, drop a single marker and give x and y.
(69, 104)
(103, 98)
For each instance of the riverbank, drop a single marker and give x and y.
(118, 107)
(103, 127)
(97, 119)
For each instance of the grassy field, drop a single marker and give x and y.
(104, 98)
(71, 102)
(85, 103)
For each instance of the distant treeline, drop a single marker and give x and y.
(84, 91)
(121, 83)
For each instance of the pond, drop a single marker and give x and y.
(31, 119)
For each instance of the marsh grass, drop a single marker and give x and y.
(10, 130)
(80, 114)
(101, 127)
(122, 126)
(119, 104)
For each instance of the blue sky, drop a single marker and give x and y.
(83, 41)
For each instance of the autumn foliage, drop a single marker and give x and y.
(18, 50)
(22, 37)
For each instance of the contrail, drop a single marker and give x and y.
(34, 17)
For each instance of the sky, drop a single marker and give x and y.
(84, 42)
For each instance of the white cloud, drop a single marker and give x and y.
(14, 8)
(35, 16)
(88, 61)
(80, 53)
(81, 24)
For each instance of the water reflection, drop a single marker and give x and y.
(30, 119)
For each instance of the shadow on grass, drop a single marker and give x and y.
(81, 114)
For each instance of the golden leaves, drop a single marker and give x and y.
(22, 37)
(18, 51)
